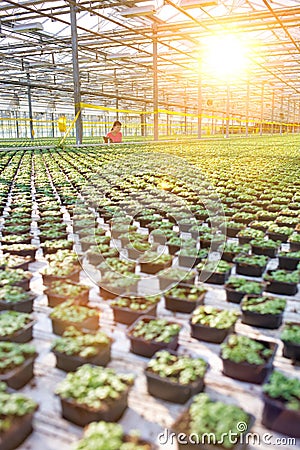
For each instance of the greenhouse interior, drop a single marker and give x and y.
(150, 224)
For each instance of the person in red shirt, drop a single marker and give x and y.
(115, 135)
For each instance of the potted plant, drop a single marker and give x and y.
(289, 260)
(204, 417)
(113, 284)
(263, 312)
(260, 225)
(251, 265)
(15, 326)
(17, 229)
(281, 398)
(173, 377)
(174, 275)
(278, 233)
(266, 247)
(16, 239)
(94, 393)
(15, 298)
(247, 359)
(282, 281)
(212, 324)
(117, 265)
(60, 272)
(153, 262)
(290, 337)
(110, 436)
(191, 256)
(147, 335)
(215, 272)
(78, 347)
(133, 237)
(20, 249)
(97, 253)
(17, 360)
(174, 244)
(15, 277)
(51, 246)
(247, 234)
(127, 309)
(294, 241)
(236, 287)
(14, 262)
(233, 228)
(16, 418)
(60, 291)
(70, 314)
(231, 249)
(184, 298)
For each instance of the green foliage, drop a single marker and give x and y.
(264, 305)
(291, 333)
(12, 321)
(214, 317)
(218, 418)
(240, 348)
(93, 386)
(179, 369)
(157, 330)
(80, 343)
(283, 276)
(69, 312)
(285, 389)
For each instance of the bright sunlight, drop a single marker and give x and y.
(225, 56)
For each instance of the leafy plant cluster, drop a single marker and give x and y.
(291, 333)
(214, 317)
(158, 330)
(135, 303)
(240, 348)
(80, 343)
(12, 355)
(93, 386)
(12, 321)
(264, 305)
(13, 405)
(285, 389)
(70, 312)
(190, 293)
(243, 285)
(177, 368)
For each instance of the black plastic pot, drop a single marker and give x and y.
(188, 261)
(25, 306)
(270, 252)
(215, 277)
(249, 270)
(69, 363)
(252, 373)
(294, 246)
(288, 263)
(55, 299)
(59, 326)
(270, 321)
(73, 276)
(140, 346)
(165, 283)
(277, 236)
(291, 350)
(152, 268)
(81, 415)
(280, 287)
(30, 253)
(20, 429)
(128, 316)
(20, 375)
(20, 336)
(169, 390)
(278, 418)
(181, 305)
(209, 334)
(232, 232)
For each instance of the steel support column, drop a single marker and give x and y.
(30, 107)
(155, 84)
(76, 75)
(261, 109)
(272, 113)
(199, 106)
(227, 110)
(247, 109)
